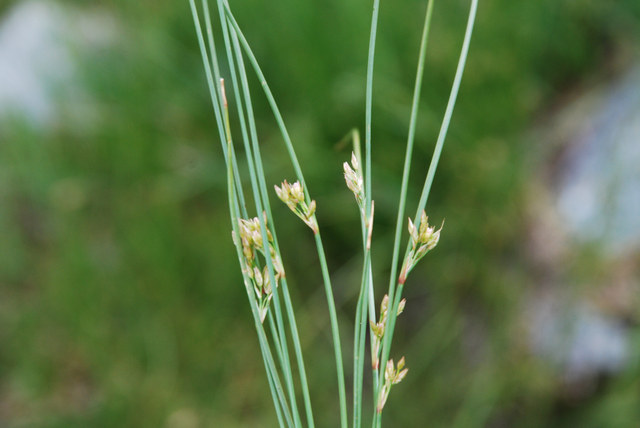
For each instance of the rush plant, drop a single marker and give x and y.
(256, 240)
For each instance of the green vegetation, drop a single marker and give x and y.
(120, 299)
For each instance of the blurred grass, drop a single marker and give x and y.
(121, 300)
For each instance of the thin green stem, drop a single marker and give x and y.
(393, 315)
(359, 341)
(372, 319)
(405, 184)
(368, 103)
(224, 125)
(288, 305)
(335, 332)
(270, 99)
(262, 205)
(409, 150)
(265, 199)
(365, 304)
(274, 335)
(210, 80)
(355, 136)
(298, 350)
(215, 90)
(274, 396)
(367, 142)
(319, 246)
(444, 128)
(357, 402)
(427, 185)
(264, 344)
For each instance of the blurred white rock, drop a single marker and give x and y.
(585, 193)
(597, 193)
(578, 339)
(38, 44)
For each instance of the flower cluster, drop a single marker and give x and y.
(378, 329)
(253, 244)
(392, 376)
(293, 196)
(355, 183)
(353, 177)
(424, 238)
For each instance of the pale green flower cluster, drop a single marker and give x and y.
(355, 183)
(252, 245)
(293, 196)
(378, 329)
(392, 376)
(353, 177)
(424, 238)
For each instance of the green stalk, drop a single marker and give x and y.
(216, 97)
(368, 107)
(279, 338)
(261, 201)
(444, 128)
(281, 402)
(372, 319)
(371, 297)
(335, 332)
(379, 374)
(274, 334)
(272, 389)
(287, 298)
(367, 143)
(318, 239)
(297, 347)
(365, 296)
(272, 376)
(288, 304)
(357, 401)
(359, 341)
(368, 102)
(264, 344)
(358, 334)
(409, 151)
(427, 185)
(270, 99)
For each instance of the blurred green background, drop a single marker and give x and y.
(121, 301)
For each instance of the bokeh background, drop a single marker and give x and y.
(121, 302)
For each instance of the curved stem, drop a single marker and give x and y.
(409, 151)
(429, 180)
(335, 332)
(319, 246)
(368, 104)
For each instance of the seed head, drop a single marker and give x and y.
(392, 376)
(353, 178)
(423, 238)
(395, 375)
(413, 233)
(377, 328)
(296, 192)
(389, 371)
(384, 305)
(424, 235)
(401, 306)
(251, 239)
(257, 276)
(354, 161)
(293, 196)
(401, 372)
(354, 182)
